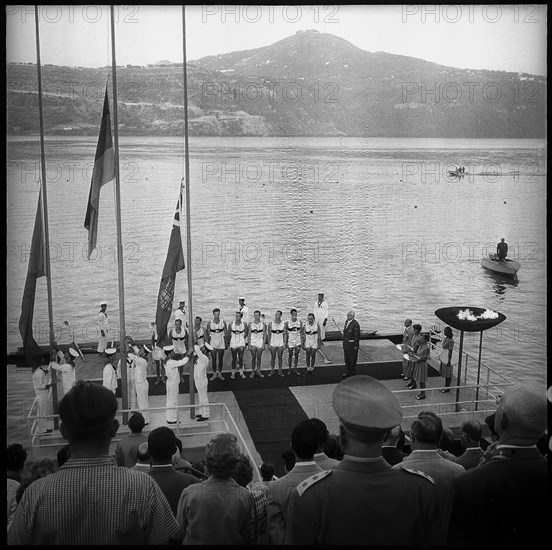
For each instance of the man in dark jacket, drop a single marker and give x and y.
(351, 340)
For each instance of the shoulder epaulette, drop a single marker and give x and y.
(423, 474)
(310, 481)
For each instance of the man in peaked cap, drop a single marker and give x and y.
(506, 499)
(103, 323)
(200, 380)
(363, 500)
(110, 371)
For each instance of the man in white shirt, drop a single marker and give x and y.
(180, 313)
(321, 313)
(110, 372)
(104, 328)
(173, 381)
(243, 309)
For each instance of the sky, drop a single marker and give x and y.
(495, 37)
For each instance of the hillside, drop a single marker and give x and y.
(312, 84)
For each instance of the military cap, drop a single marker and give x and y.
(73, 352)
(241, 298)
(104, 303)
(364, 403)
(110, 351)
(168, 349)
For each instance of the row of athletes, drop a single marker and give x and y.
(238, 335)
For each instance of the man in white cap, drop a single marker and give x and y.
(505, 501)
(131, 386)
(103, 322)
(110, 372)
(321, 313)
(243, 309)
(200, 379)
(173, 381)
(66, 370)
(180, 313)
(363, 500)
(141, 381)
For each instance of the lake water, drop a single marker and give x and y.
(377, 224)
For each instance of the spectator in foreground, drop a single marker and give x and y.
(179, 462)
(320, 457)
(143, 460)
(161, 447)
(34, 469)
(217, 511)
(125, 452)
(288, 457)
(304, 442)
(332, 447)
(446, 444)
(470, 439)
(267, 477)
(243, 477)
(490, 451)
(16, 456)
(505, 501)
(57, 509)
(389, 449)
(363, 500)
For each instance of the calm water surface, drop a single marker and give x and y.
(378, 225)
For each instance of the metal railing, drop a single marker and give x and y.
(220, 421)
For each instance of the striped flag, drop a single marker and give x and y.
(104, 172)
(173, 264)
(35, 270)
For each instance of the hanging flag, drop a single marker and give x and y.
(173, 264)
(35, 270)
(103, 172)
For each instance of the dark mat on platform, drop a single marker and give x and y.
(327, 374)
(270, 416)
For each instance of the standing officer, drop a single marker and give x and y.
(104, 328)
(363, 500)
(110, 371)
(351, 340)
(321, 313)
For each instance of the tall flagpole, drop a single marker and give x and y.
(188, 225)
(45, 215)
(122, 335)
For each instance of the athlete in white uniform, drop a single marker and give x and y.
(244, 309)
(110, 372)
(179, 339)
(66, 370)
(237, 335)
(257, 338)
(141, 381)
(200, 379)
(311, 341)
(198, 333)
(216, 336)
(321, 314)
(292, 334)
(173, 380)
(275, 340)
(103, 322)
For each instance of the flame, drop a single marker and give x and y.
(468, 315)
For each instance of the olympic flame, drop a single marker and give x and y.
(468, 315)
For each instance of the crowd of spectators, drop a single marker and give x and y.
(442, 487)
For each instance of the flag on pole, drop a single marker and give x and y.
(35, 270)
(103, 172)
(173, 264)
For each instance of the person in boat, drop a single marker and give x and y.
(216, 336)
(321, 313)
(41, 385)
(275, 341)
(408, 334)
(179, 340)
(243, 309)
(66, 370)
(257, 338)
(293, 329)
(157, 354)
(110, 372)
(311, 340)
(236, 339)
(502, 249)
(103, 323)
(445, 368)
(172, 366)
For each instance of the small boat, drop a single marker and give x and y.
(456, 173)
(506, 267)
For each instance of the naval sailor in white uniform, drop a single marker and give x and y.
(140, 380)
(103, 323)
(243, 309)
(180, 313)
(110, 372)
(42, 385)
(173, 381)
(66, 371)
(200, 380)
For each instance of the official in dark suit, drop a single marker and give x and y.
(351, 339)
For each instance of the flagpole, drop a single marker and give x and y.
(45, 217)
(122, 335)
(188, 225)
